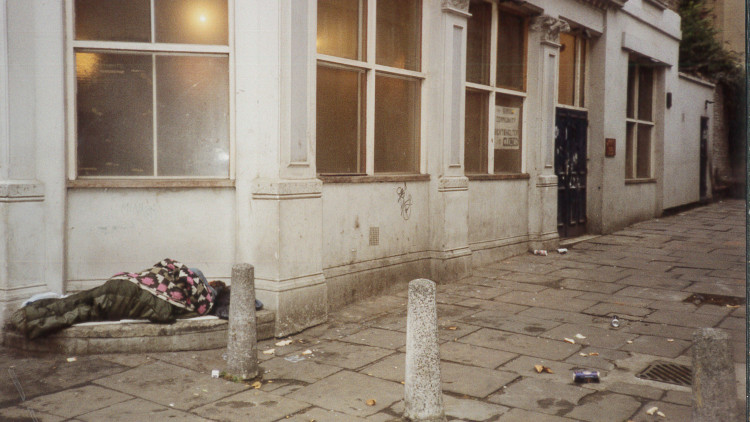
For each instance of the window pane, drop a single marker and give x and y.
(511, 60)
(508, 118)
(475, 151)
(113, 20)
(478, 42)
(340, 121)
(193, 115)
(645, 92)
(566, 92)
(631, 91)
(629, 151)
(396, 125)
(339, 32)
(115, 122)
(643, 154)
(191, 21)
(399, 33)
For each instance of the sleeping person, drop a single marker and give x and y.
(166, 291)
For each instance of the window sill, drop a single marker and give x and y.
(149, 183)
(639, 181)
(375, 178)
(499, 176)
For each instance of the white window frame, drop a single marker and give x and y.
(372, 70)
(494, 90)
(582, 48)
(72, 45)
(636, 122)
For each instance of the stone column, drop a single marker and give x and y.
(423, 395)
(449, 198)
(279, 198)
(242, 344)
(544, 48)
(714, 388)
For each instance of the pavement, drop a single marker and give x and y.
(494, 327)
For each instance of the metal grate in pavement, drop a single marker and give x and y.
(668, 372)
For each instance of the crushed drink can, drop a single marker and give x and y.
(541, 252)
(583, 376)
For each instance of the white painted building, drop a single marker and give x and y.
(341, 147)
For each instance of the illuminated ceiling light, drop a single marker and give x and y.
(202, 18)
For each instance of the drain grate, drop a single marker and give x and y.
(668, 372)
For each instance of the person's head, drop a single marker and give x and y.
(220, 306)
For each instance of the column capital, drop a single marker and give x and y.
(549, 27)
(460, 7)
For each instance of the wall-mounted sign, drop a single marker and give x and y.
(507, 121)
(609, 147)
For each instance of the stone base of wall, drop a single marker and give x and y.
(137, 337)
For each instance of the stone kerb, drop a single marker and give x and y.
(423, 396)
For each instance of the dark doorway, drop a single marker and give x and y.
(570, 168)
(704, 158)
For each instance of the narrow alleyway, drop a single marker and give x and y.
(554, 311)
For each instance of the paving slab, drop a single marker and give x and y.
(597, 358)
(252, 405)
(605, 406)
(562, 372)
(521, 344)
(77, 401)
(653, 294)
(547, 300)
(347, 392)
(509, 322)
(657, 346)
(473, 381)
(347, 355)
(672, 412)
(305, 370)
(480, 304)
(637, 390)
(378, 337)
(174, 386)
(541, 396)
(138, 410)
(660, 330)
(318, 414)
(19, 413)
(564, 316)
(590, 286)
(470, 354)
(594, 336)
(684, 319)
(521, 415)
(611, 309)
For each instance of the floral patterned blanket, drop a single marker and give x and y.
(174, 282)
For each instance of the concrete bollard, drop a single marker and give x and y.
(242, 344)
(714, 384)
(423, 395)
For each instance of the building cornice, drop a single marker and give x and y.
(606, 4)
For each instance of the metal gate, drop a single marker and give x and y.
(570, 168)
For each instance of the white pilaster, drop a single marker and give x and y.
(279, 205)
(544, 48)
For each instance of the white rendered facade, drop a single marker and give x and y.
(318, 241)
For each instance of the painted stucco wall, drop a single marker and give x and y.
(498, 218)
(682, 151)
(114, 230)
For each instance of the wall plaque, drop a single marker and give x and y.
(609, 147)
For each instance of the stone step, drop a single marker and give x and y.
(137, 336)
